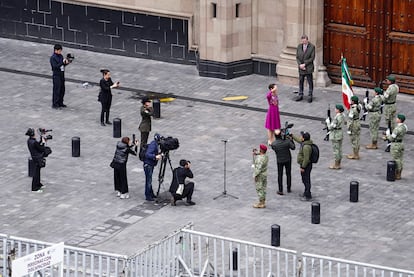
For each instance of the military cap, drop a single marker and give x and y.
(339, 107)
(378, 90)
(401, 117)
(355, 98)
(263, 147)
(391, 78)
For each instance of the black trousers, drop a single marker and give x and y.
(306, 179)
(309, 78)
(106, 106)
(144, 138)
(36, 185)
(58, 90)
(120, 178)
(187, 192)
(288, 167)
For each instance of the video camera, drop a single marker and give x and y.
(285, 132)
(168, 143)
(44, 133)
(70, 57)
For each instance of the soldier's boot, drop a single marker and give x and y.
(353, 156)
(356, 153)
(260, 205)
(388, 148)
(398, 174)
(372, 146)
(336, 165)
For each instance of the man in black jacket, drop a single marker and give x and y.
(282, 147)
(37, 150)
(179, 188)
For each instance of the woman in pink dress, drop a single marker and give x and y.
(273, 116)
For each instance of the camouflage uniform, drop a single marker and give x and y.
(373, 108)
(260, 175)
(397, 146)
(390, 109)
(336, 136)
(354, 130)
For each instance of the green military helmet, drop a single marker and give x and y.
(339, 107)
(401, 117)
(378, 90)
(355, 99)
(391, 78)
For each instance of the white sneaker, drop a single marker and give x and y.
(37, 191)
(124, 196)
(118, 193)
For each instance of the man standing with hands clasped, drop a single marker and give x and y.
(305, 55)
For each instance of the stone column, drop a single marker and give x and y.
(302, 17)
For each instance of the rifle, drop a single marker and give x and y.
(328, 115)
(364, 115)
(381, 86)
(388, 140)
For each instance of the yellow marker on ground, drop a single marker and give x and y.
(234, 98)
(168, 99)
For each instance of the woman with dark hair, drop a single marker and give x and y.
(123, 149)
(105, 95)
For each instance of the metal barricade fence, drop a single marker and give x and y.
(317, 265)
(192, 253)
(77, 261)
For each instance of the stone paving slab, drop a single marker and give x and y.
(80, 207)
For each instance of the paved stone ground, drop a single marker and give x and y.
(80, 207)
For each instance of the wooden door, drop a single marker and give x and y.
(376, 38)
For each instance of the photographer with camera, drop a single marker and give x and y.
(145, 125)
(119, 162)
(181, 188)
(58, 64)
(37, 152)
(150, 161)
(105, 95)
(282, 145)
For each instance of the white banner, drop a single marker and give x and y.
(38, 260)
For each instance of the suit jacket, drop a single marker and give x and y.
(179, 175)
(145, 125)
(306, 57)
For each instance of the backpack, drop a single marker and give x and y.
(142, 152)
(314, 157)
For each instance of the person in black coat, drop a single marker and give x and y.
(282, 147)
(58, 64)
(105, 95)
(179, 175)
(145, 126)
(123, 149)
(37, 150)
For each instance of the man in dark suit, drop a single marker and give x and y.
(187, 188)
(145, 125)
(305, 55)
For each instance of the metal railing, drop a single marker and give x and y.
(190, 253)
(77, 261)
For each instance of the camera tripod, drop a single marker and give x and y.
(161, 174)
(224, 193)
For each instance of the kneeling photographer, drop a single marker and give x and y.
(38, 152)
(180, 187)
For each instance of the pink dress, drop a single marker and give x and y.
(272, 117)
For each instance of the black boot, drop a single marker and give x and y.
(388, 148)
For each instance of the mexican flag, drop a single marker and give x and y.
(347, 83)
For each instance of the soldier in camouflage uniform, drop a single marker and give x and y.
(397, 145)
(389, 98)
(354, 127)
(373, 108)
(336, 135)
(260, 174)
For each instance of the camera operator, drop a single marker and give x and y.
(123, 149)
(58, 64)
(304, 161)
(37, 151)
(181, 188)
(145, 125)
(150, 161)
(282, 147)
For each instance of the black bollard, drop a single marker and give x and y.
(353, 191)
(275, 235)
(391, 171)
(156, 105)
(117, 127)
(75, 146)
(316, 213)
(234, 258)
(31, 166)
